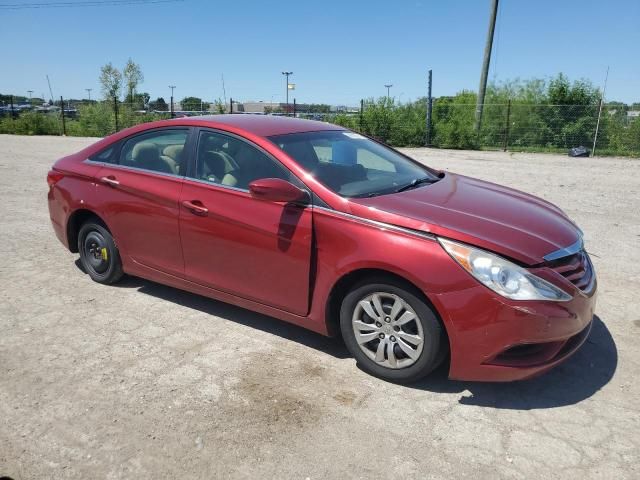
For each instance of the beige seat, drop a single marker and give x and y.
(173, 155)
(215, 168)
(146, 155)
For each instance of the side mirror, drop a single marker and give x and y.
(277, 190)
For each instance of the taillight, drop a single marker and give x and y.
(54, 177)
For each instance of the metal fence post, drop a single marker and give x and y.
(429, 111)
(115, 110)
(13, 113)
(505, 143)
(64, 126)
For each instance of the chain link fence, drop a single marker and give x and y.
(507, 126)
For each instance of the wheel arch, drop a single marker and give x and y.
(345, 283)
(75, 221)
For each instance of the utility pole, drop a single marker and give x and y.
(286, 74)
(172, 87)
(89, 92)
(485, 65)
(429, 110)
(388, 87)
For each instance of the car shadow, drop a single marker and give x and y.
(577, 379)
(331, 346)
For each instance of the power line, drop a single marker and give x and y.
(89, 3)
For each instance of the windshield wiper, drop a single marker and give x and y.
(367, 195)
(416, 182)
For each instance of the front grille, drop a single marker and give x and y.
(576, 268)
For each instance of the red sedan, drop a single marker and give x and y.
(325, 228)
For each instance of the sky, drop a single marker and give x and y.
(338, 50)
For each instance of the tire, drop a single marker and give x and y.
(99, 254)
(388, 333)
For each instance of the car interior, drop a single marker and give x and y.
(228, 161)
(159, 153)
(234, 163)
(331, 173)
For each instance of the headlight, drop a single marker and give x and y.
(502, 276)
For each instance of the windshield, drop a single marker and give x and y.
(353, 165)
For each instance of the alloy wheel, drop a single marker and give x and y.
(388, 330)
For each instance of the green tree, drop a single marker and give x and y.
(453, 121)
(193, 103)
(159, 104)
(220, 107)
(133, 77)
(572, 111)
(319, 108)
(140, 101)
(110, 81)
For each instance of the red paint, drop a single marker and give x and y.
(284, 259)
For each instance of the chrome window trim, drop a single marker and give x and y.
(376, 223)
(219, 185)
(566, 251)
(134, 169)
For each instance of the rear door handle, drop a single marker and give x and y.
(110, 180)
(196, 207)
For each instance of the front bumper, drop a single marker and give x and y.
(495, 339)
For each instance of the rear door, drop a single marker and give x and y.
(139, 191)
(254, 249)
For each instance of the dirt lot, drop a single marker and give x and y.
(144, 381)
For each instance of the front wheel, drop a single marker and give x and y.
(391, 332)
(99, 254)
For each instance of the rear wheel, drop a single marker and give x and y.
(99, 254)
(391, 331)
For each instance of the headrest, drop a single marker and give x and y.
(144, 151)
(173, 151)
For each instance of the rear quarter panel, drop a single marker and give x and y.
(76, 190)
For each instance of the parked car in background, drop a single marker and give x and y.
(327, 229)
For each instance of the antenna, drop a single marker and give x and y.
(604, 90)
(224, 91)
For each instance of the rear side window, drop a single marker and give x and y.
(108, 155)
(158, 151)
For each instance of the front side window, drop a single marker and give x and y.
(159, 151)
(229, 161)
(351, 164)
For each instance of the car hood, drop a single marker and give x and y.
(497, 218)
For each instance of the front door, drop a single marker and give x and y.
(255, 249)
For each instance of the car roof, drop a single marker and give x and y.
(265, 125)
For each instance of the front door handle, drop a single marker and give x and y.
(196, 207)
(110, 180)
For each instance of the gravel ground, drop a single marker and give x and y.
(144, 381)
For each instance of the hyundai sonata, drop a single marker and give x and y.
(330, 230)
